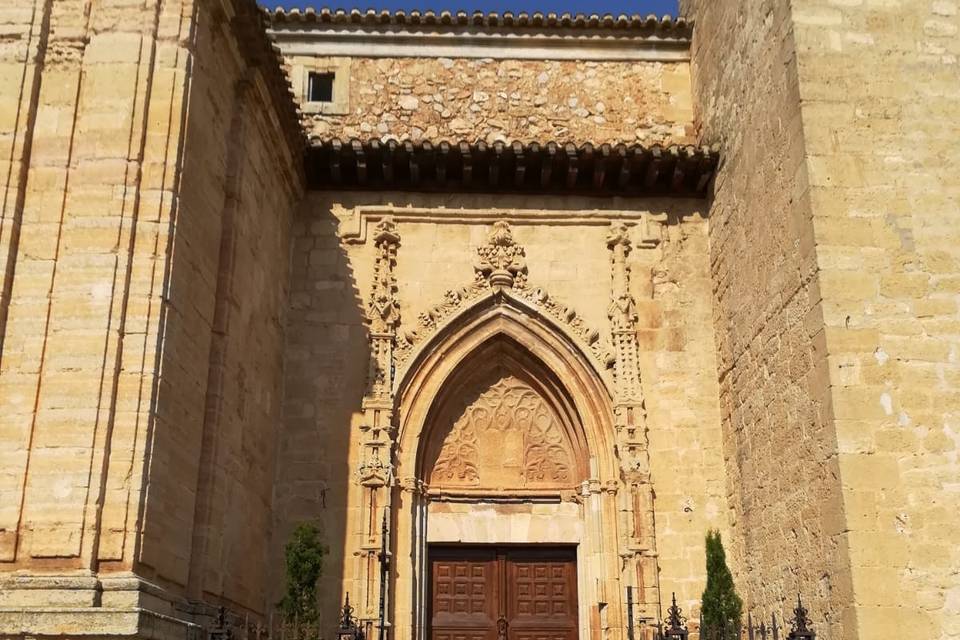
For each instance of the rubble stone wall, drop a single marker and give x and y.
(527, 100)
(779, 441)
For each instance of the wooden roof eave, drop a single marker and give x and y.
(532, 168)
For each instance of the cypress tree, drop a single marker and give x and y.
(722, 607)
(303, 558)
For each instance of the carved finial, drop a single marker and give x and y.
(386, 232)
(373, 472)
(618, 235)
(502, 261)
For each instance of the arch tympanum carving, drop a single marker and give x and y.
(504, 434)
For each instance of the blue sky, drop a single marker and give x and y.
(644, 7)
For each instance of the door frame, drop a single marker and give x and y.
(598, 566)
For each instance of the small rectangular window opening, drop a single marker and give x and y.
(320, 87)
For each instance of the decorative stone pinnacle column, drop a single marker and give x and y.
(637, 539)
(383, 311)
(623, 318)
(375, 469)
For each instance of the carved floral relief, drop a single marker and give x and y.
(509, 437)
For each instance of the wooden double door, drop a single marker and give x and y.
(503, 593)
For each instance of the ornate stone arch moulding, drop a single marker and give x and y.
(533, 351)
(500, 279)
(474, 299)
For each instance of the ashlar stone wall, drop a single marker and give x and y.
(862, 203)
(879, 87)
(207, 513)
(144, 262)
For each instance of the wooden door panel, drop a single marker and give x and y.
(533, 590)
(464, 594)
(460, 634)
(543, 589)
(543, 634)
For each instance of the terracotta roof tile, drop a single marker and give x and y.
(664, 25)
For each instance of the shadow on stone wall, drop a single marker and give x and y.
(326, 356)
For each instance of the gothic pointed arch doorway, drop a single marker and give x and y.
(504, 453)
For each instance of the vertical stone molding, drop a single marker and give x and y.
(638, 541)
(375, 471)
(623, 319)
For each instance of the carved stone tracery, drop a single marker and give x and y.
(505, 436)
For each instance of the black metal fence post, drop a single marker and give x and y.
(384, 576)
(800, 626)
(676, 623)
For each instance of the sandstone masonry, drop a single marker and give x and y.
(204, 342)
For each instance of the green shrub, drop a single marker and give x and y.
(304, 565)
(722, 607)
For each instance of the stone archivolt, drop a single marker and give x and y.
(505, 436)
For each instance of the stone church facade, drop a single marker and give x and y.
(532, 301)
